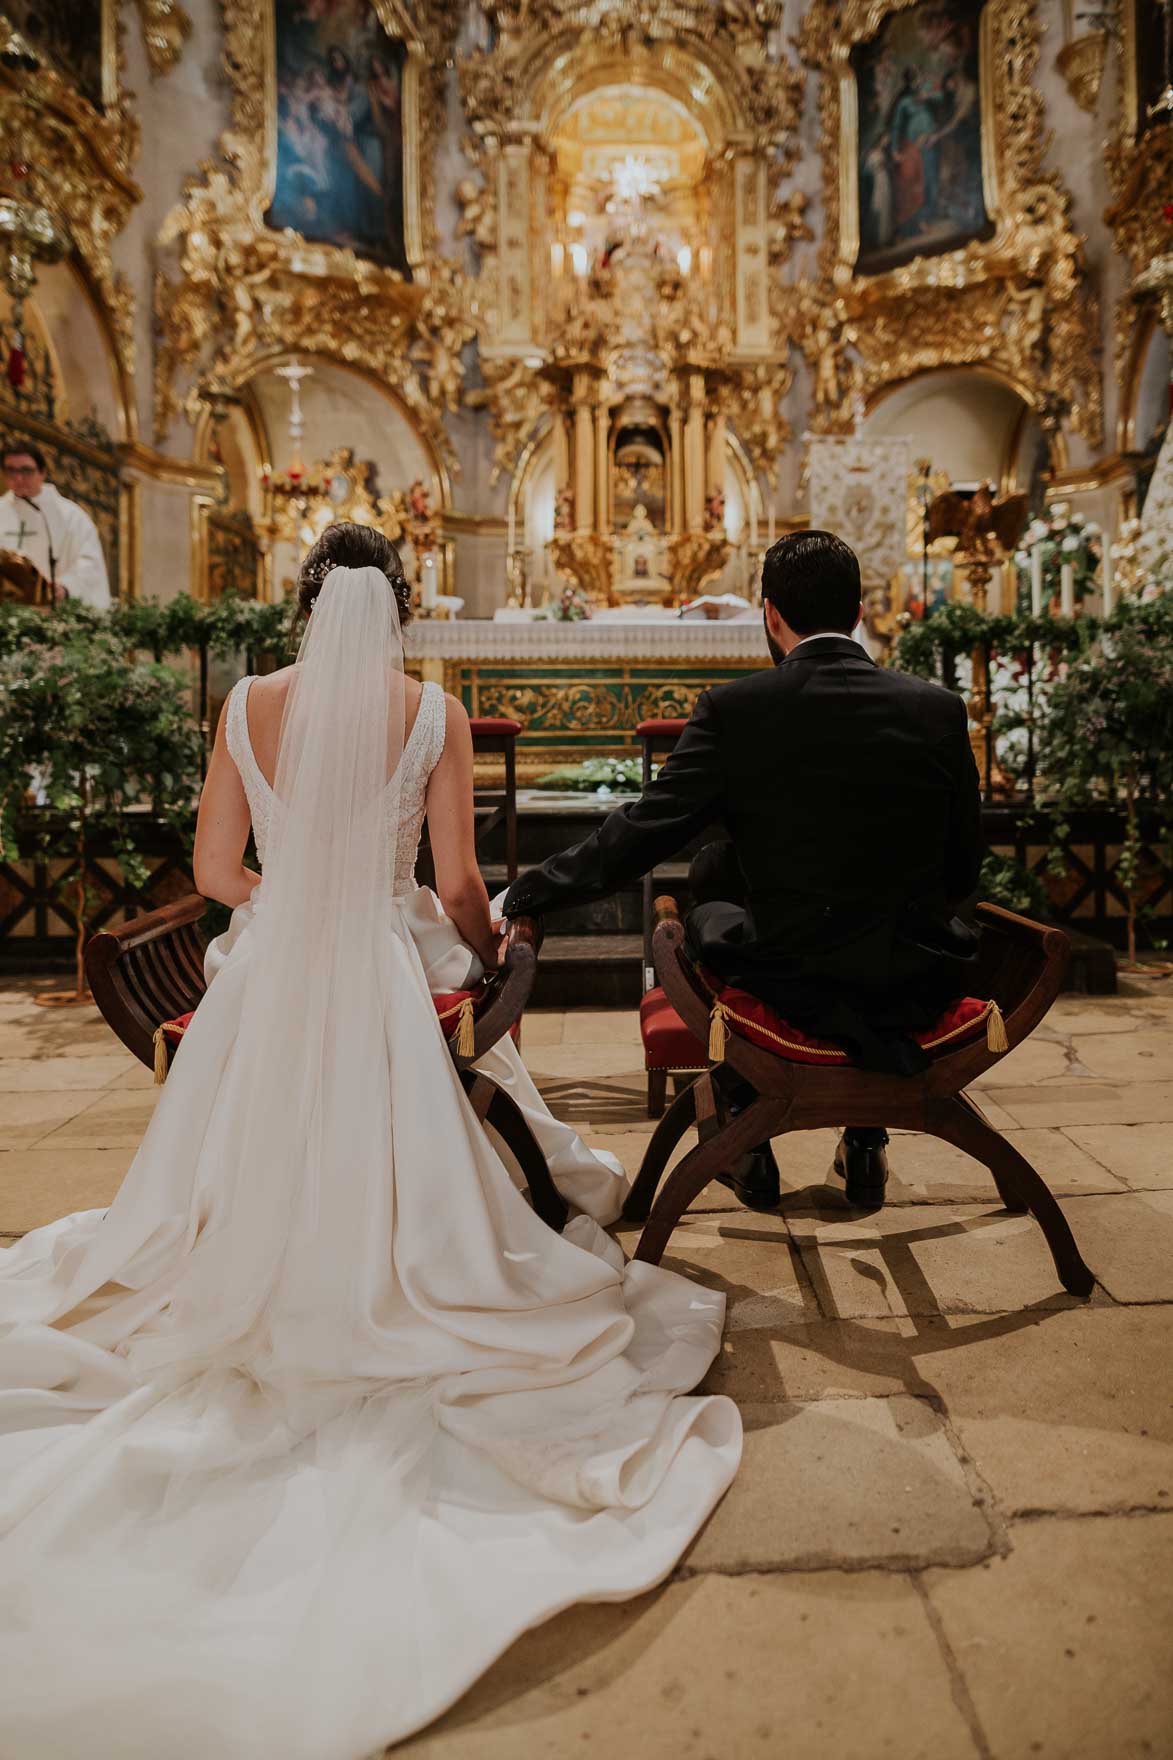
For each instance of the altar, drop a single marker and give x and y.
(579, 689)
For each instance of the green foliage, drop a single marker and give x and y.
(98, 735)
(601, 776)
(1006, 882)
(957, 629)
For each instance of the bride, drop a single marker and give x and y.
(303, 1431)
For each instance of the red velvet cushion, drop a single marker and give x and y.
(173, 1031)
(495, 725)
(660, 729)
(753, 1020)
(668, 1044)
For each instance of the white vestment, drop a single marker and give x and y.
(78, 563)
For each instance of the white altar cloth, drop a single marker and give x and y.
(651, 639)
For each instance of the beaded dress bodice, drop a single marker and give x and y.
(421, 754)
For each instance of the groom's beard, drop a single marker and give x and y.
(777, 654)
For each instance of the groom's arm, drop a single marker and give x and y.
(686, 796)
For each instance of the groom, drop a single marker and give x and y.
(850, 796)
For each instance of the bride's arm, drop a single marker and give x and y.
(222, 828)
(451, 827)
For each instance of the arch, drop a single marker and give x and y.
(702, 82)
(262, 366)
(1144, 350)
(68, 315)
(1018, 405)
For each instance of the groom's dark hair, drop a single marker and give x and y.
(812, 580)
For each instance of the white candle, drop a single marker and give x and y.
(1067, 590)
(994, 592)
(428, 581)
(1106, 581)
(1036, 580)
(511, 530)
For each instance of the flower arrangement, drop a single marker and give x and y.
(1061, 538)
(601, 776)
(572, 607)
(1143, 560)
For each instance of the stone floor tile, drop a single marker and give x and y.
(845, 1482)
(542, 1027)
(928, 1259)
(1062, 1411)
(1076, 1014)
(818, 1360)
(1139, 1155)
(39, 1185)
(28, 1075)
(135, 1075)
(923, 1169)
(609, 1026)
(1127, 1239)
(1085, 1103)
(26, 1117)
(1035, 1060)
(612, 1061)
(1143, 1056)
(113, 1121)
(719, 1668)
(1064, 1644)
(748, 1256)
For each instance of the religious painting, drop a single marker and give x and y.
(340, 136)
(919, 157)
(71, 38)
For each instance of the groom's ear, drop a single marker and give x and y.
(776, 626)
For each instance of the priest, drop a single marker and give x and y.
(48, 545)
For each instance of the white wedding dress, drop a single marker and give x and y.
(304, 1430)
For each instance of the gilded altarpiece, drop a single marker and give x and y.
(1014, 298)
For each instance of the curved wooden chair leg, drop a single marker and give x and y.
(507, 1119)
(1010, 1194)
(719, 1152)
(671, 1128)
(963, 1125)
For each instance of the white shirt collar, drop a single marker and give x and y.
(823, 635)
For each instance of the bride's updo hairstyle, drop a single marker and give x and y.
(347, 545)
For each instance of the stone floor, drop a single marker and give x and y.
(952, 1535)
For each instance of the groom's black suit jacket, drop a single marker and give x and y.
(851, 798)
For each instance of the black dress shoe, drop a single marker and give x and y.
(864, 1168)
(754, 1182)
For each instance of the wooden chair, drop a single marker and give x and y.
(1020, 967)
(498, 734)
(147, 979)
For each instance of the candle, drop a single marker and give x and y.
(1067, 590)
(511, 531)
(1036, 580)
(1106, 581)
(994, 591)
(428, 581)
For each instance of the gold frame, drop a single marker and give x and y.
(1018, 302)
(245, 290)
(849, 144)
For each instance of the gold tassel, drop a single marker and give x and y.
(996, 1039)
(718, 1033)
(466, 1037)
(161, 1058)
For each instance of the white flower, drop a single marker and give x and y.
(1070, 544)
(1037, 531)
(1021, 559)
(1078, 519)
(1060, 510)
(1091, 529)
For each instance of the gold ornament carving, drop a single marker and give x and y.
(79, 167)
(1017, 303)
(166, 27)
(244, 293)
(1139, 157)
(586, 559)
(694, 558)
(756, 396)
(1081, 62)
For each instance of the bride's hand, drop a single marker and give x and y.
(501, 938)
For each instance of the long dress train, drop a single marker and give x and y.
(285, 1481)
